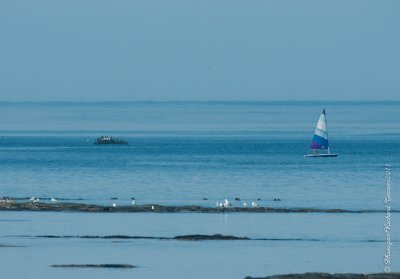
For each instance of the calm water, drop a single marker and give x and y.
(179, 153)
(182, 152)
(326, 242)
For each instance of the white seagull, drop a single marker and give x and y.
(227, 203)
(254, 204)
(133, 202)
(245, 204)
(54, 200)
(114, 205)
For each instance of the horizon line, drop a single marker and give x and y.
(200, 101)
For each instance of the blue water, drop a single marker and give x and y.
(179, 153)
(182, 152)
(325, 243)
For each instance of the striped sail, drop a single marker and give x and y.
(320, 139)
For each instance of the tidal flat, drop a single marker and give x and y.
(192, 245)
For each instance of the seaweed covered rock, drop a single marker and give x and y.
(109, 140)
(319, 275)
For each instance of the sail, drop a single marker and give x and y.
(320, 139)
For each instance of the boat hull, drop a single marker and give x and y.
(320, 155)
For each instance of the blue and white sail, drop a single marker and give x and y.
(320, 139)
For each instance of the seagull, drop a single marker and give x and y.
(35, 200)
(152, 207)
(237, 199)
(227, 203)
(114, 205)
(133, 202)
(32, 198)
(54, 200)
(254, 204)
(220, 204)
(244, 204)
(217, 204)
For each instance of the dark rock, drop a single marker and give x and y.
(319, 275)
(10, 245)
(11, 205)
(192, 237)
(94, 265)
(7, 201)
(196, 237)
(109, 140)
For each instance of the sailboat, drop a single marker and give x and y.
(320, 140)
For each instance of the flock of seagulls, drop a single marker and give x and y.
(225, 204)
(133, 202)
(33, 199)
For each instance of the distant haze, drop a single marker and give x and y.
(99, 50)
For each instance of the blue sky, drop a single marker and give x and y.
(98, 50)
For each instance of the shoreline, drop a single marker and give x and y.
(9, 205)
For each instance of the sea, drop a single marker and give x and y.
(200, 153)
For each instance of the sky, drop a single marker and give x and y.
(199, 50)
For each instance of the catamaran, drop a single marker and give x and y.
(320, 140)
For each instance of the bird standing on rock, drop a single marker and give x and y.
(227, 203)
